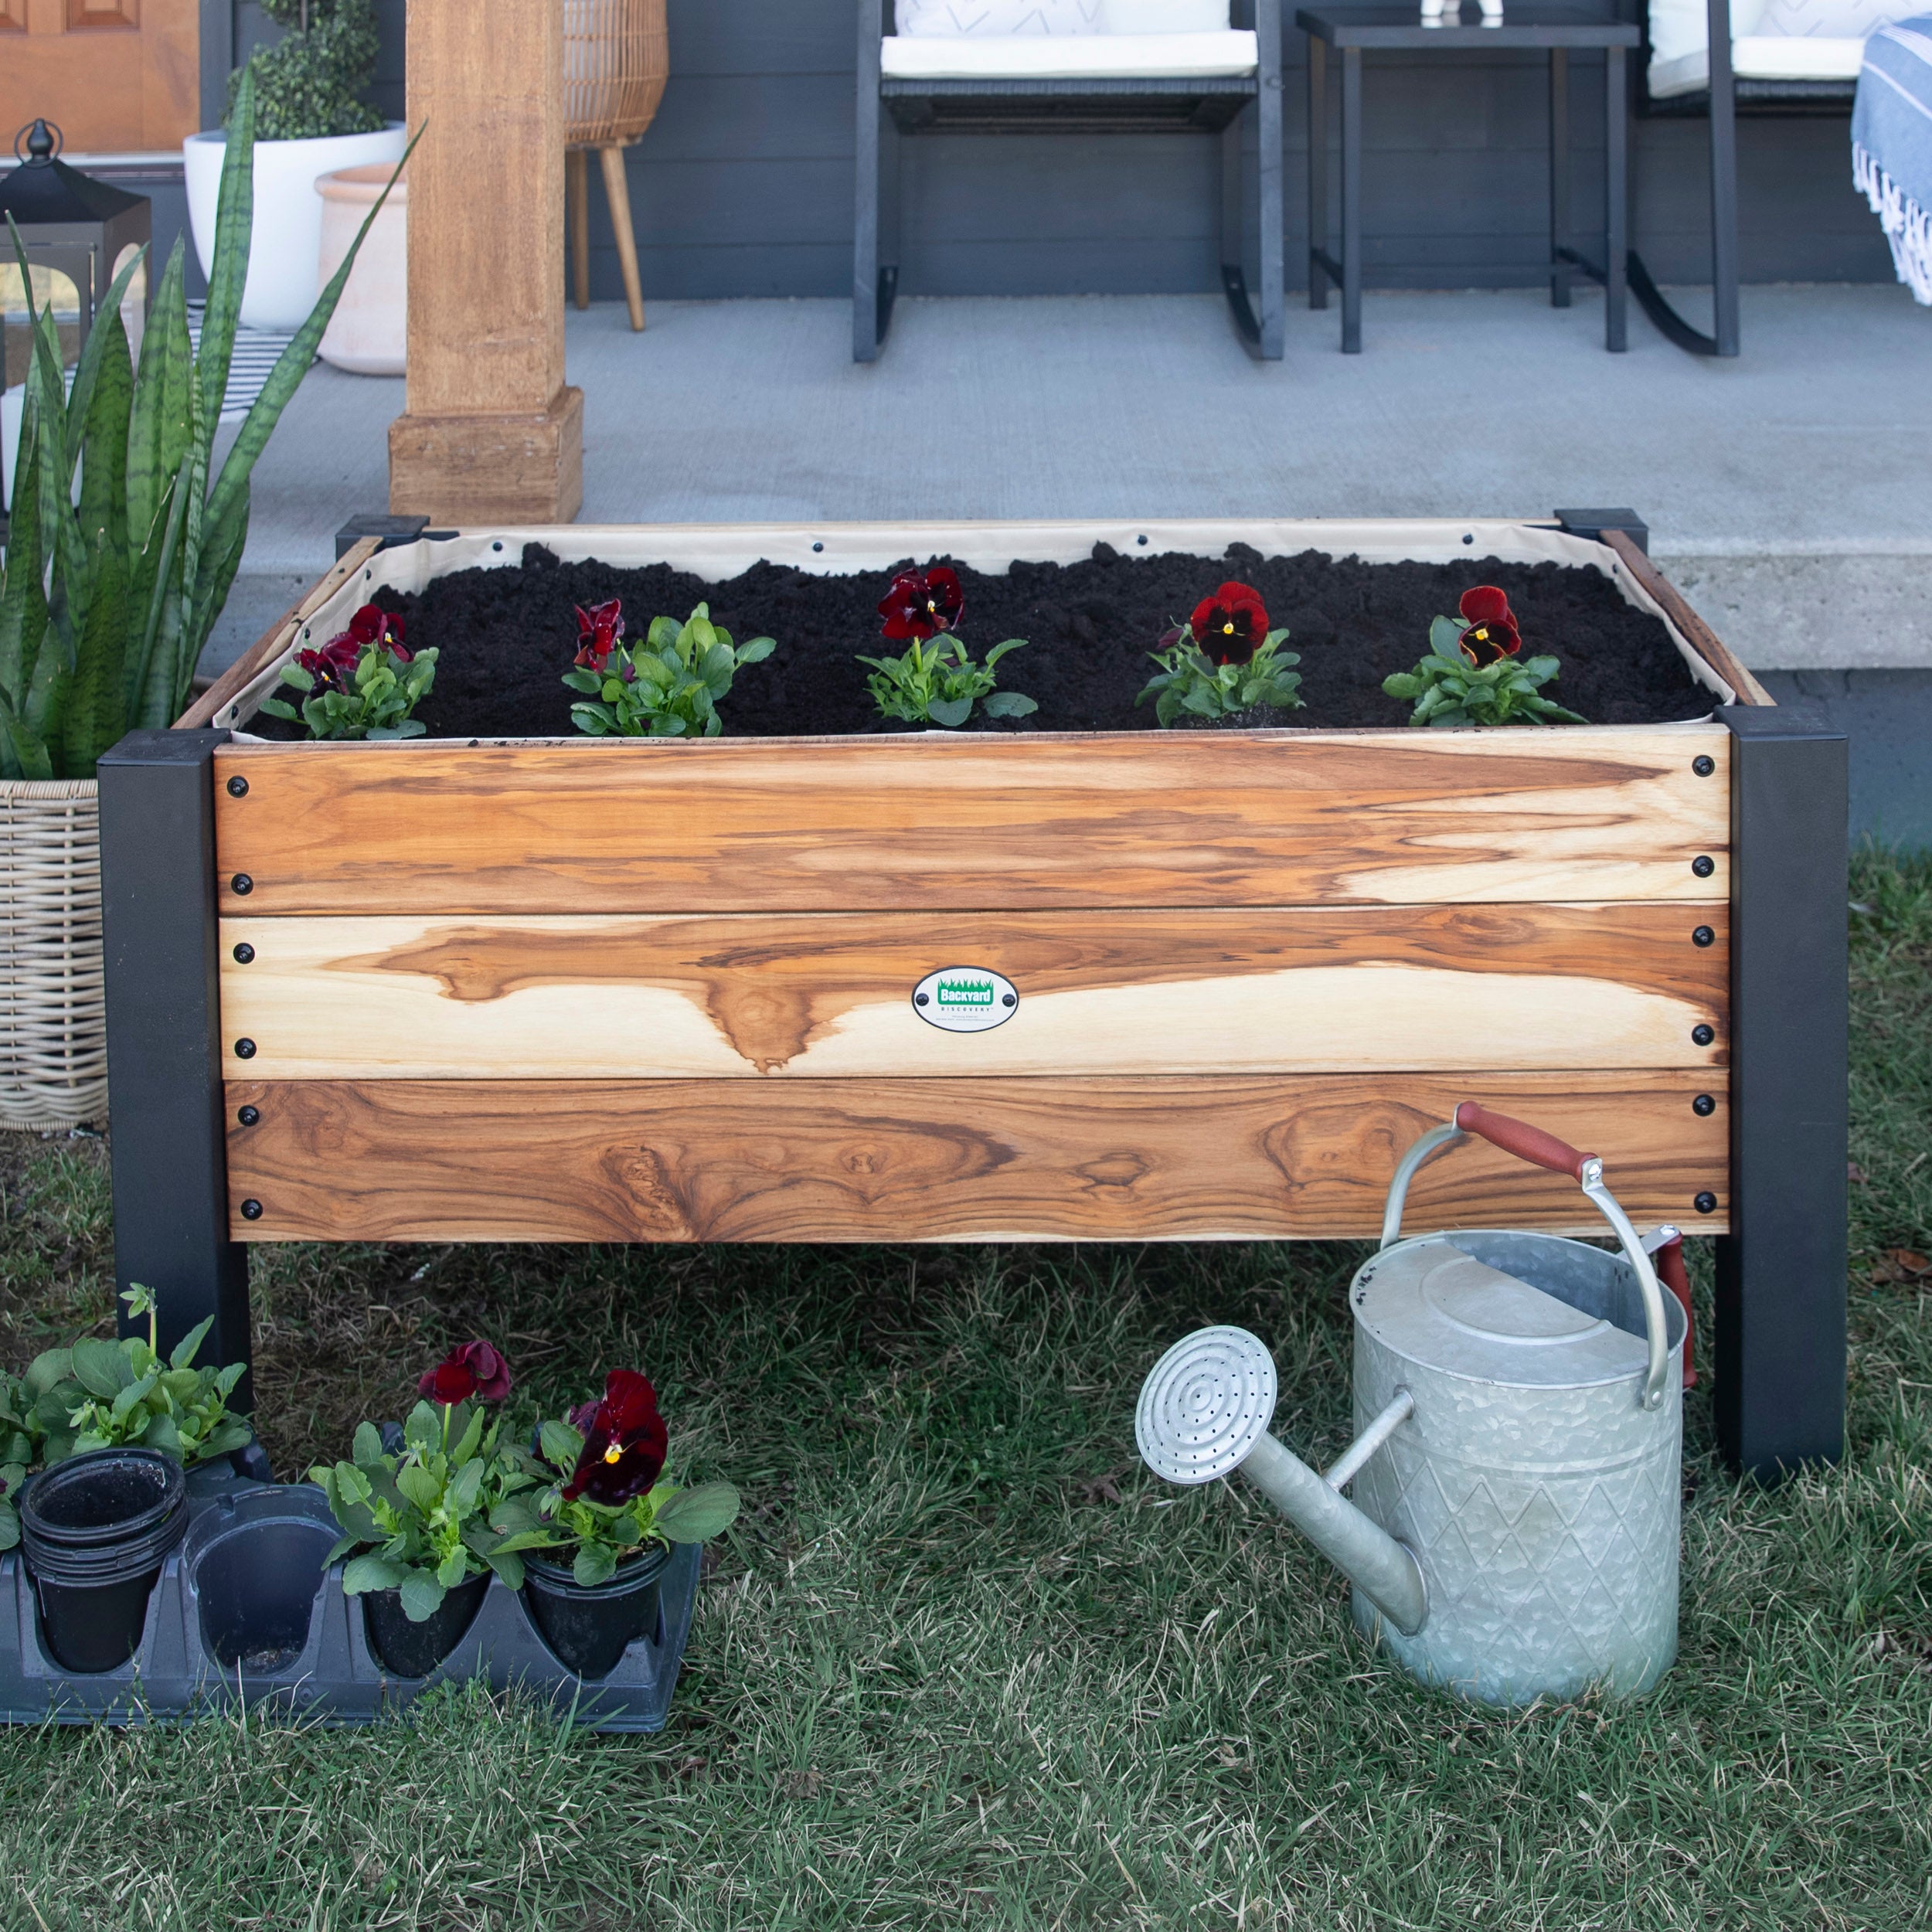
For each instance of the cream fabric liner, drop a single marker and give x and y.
(1762, 56)
(716, 551)
(1136, 56)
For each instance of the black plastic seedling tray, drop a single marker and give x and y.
(244, 1615)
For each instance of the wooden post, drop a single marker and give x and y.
(491, 432)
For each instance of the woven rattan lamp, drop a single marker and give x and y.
(617, 57)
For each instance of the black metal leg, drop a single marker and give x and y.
(867, 329)
(1268, 161)
(164, 1044)
(1559, 266)
(1616, 200)
(1352, 201)
(1318, 172)
(1724, 339)
(1234, 275)
(1724, 321)
(1780, 1397)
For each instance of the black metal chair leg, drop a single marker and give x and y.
(1725, 338)
(868, 320)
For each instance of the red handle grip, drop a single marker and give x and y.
(1669, 1261)
(1518, 1137)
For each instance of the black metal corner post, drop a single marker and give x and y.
(165, 1109)
(1257, 313)
(1780, 1395)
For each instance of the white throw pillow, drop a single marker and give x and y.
(984, 19)
(1164, 16)
(1832, 19)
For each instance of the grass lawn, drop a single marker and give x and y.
(963, 1661)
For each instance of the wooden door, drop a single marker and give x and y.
(117, 76)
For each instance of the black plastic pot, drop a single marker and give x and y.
(256, 1586)
(588, 1630)
(414, 1650)
(94, 1531)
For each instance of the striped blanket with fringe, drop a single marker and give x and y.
(1891, 143)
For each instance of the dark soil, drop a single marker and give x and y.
(505, 637)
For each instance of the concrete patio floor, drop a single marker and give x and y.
(1789, 492)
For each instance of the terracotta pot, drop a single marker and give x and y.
(369, 333)
(285, 237)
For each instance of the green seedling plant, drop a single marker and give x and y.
(934, 682)
(420, 1517)
(1475, 673)
(602, 1503)
(106, 601)
(94, 1394)
(1223, 660)
(364, 684)
(668, 686)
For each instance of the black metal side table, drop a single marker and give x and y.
(1533, 24)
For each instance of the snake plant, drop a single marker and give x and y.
(109, 593)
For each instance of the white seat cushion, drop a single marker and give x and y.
(952, 19)
(1762, 56)
(1126, 57)
(1770, 40)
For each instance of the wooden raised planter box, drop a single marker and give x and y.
(566, 989)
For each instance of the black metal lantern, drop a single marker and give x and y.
(70, 225)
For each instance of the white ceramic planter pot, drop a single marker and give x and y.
(287, 239)
(369, 333)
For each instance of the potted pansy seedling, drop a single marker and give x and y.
(606, 1522)
(419, 1516)
(363, 683)
(667, 686)
(1223, 662)
(1475, 673)
(934, 681)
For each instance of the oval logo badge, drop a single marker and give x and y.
(965, 999)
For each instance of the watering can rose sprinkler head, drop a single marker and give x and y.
(1204, 1413)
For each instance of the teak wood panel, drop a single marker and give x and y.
(976, 822)
(942, 1160)
(1301, 989)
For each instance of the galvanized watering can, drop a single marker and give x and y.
(1519, 1416)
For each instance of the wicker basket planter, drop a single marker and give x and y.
(53, 1027)
(1231, 955)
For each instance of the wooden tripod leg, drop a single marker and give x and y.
(617, 193)
(577, 194)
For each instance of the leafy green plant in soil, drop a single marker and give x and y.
(960, 1661)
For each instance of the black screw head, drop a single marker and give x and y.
(238, 788)
(1703, 1106)
(817, 545)
(1009, 999)
(251, 1210)
(244, 954)
(244, 1049)
(1142, 541)
(1705, 1203)
(1703, 1035)
(1703, 865)
(241, 885)
(1703, 936)
(1469, 539)
(1702, 765)
(919, 999)
(248, 1116)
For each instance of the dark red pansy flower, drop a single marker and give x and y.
(624, 1445)
(330, 667)
(1491, 632)
(372, 624)
(599, 630)
(1229, 627)
(921, 604)
(474, 1369)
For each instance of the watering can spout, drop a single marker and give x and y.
(1204, 1412)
